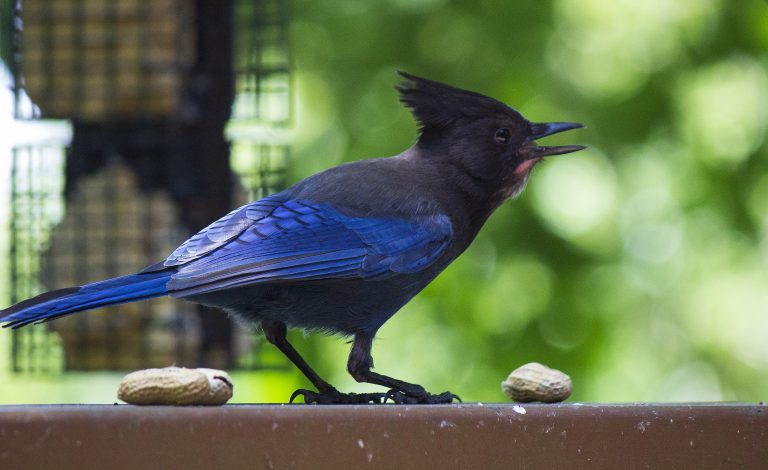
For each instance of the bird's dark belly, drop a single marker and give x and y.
(343, 306)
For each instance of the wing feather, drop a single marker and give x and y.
(276, 240)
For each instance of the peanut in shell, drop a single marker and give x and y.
(537, 382)
(176, 386)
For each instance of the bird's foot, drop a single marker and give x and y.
(411, 396)
(334, 397)
(420, 396)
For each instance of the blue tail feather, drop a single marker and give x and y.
(54, 304)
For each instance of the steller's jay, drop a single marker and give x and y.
(343, 250)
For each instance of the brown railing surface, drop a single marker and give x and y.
(462, 436)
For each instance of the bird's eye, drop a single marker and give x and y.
(502, 135)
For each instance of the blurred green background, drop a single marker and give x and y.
(638, 266)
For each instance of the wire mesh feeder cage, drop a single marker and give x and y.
(99, 59)
(149, 88)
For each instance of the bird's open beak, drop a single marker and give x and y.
(544, 129)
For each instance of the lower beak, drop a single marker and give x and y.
(544, 129)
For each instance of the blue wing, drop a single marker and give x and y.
(293, 240)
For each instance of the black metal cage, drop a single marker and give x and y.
(159, 96)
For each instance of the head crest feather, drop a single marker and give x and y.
(435, 105)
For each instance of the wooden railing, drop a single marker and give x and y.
(462, 436)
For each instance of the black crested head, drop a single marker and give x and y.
(435, 105)
(490, 146)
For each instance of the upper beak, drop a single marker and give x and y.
(544, 129)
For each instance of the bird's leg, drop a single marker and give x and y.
(360, 364)
(275, 332)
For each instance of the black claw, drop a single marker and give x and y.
(301, 392)
(449, 397)
(392, 395)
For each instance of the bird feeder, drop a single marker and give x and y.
(149, 89)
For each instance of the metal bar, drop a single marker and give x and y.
(13, 255)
